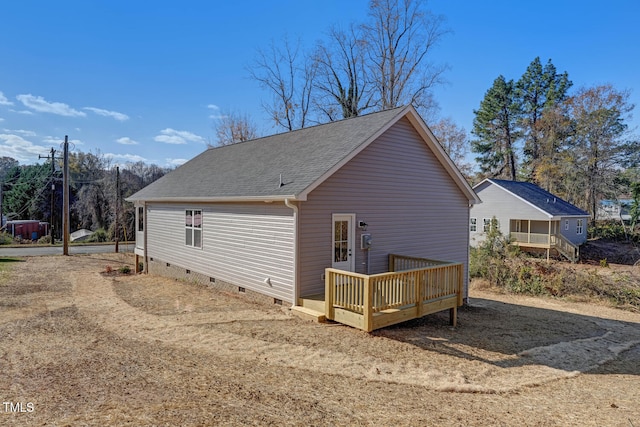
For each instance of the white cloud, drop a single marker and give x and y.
(21, 149)
(25, 112)
(176, 162)
(38, 103)
(4, 100)
(20, 131)
(217, 113)
(125, 140)
(113, 114)
(172, 136)
(126, 158)
(58, 141)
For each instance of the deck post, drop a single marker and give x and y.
(419, 292)
(453, 316)
(368, 306)
(329, 310)
(460, 284)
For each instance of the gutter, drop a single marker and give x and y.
(288, 204)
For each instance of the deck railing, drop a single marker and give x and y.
(377, 300)
(553, 241)
(533, 238)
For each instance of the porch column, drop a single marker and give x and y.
(549, 242)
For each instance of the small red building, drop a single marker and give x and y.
(27, 229)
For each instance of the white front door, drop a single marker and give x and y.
(344, 235)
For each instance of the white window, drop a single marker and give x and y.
(473, 224)
(566, 224)
(193, 228)
(486, 224)
(579, 227)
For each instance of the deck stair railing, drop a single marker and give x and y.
(566, 248)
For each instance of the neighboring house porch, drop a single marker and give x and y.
(544, 235)
(529, 216)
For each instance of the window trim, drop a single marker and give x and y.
(192, 228)
(473, 224)
(580, 226)
(486, 225)
(140, 225)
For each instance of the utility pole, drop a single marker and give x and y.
(117, 204)
(53, 190)
(65, 209)
(1, 185)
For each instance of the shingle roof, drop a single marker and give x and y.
(255, 169)
(542, 199)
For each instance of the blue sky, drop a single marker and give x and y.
(144, 80)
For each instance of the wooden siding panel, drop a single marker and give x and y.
(242, 244)
(409, 201)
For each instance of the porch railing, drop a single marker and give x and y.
(417, 287)
(555, 241)
(533, 238)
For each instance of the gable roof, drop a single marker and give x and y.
(287, 165)
(541, 199)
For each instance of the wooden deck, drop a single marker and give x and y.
(414, 287)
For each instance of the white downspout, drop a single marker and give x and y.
(288, 204)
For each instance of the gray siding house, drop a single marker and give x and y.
(267, 216)
(534, 218)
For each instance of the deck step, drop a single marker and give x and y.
(314, 302)
(308, 314)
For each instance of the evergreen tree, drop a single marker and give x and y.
(496, 129)
(539, 89)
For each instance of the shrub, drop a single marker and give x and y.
(5, 239)
(100, 235)
(44, 240)
(125, 269)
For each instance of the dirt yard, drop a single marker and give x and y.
(78, 347)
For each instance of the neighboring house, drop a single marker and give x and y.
(533, 218)
(270, 214)
(614, 210)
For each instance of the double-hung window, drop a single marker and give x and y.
(486, 225)
(473, 224)
(193, 228)
(579, 226)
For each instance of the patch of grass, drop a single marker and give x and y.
(5, 265)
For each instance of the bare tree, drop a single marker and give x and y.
(342, 83)
(289, 76)
(233, 127)
(598, 142)
(455, 142)
(401, 35)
